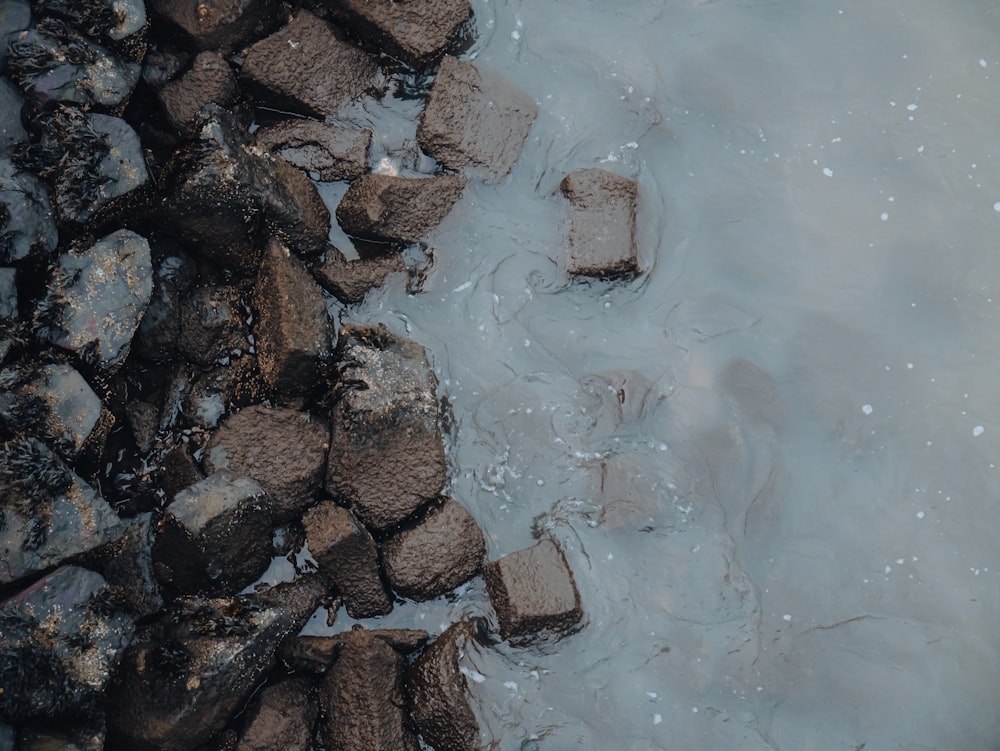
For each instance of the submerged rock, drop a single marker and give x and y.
(8, 293)
(602, 223)
(330, 152)
(283, 716)
(27, 224)
(349, 281)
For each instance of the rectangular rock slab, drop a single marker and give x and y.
(602, 223)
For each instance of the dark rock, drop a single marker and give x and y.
(388, 208)
(48, 512)
(295, 210)
(533, 591)
(300, 597)
(292, 331)
(330, 152)
(163, 64)
(59, 644)
(304, 68)
(315, 654)
(96, 298)
(229, 386)
(348, 556)
(438, 693)
(416, 33)
(475, 120)
(78, 737)
(210, 79)
(446, 549)
(185, 675)
(160, 327)
(386, 449)
(283, 716)
(8, 736)
(212, 325)
(602, 223)
(283, 450)
(8, 293)
(15, 16)
(27, 225)
(110, 19)
(223, 25)
(349, 281)
(178, 470)
(143, 421)
(127, 566)
(11, 101)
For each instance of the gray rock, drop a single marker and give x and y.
(223, 25)
(160, 327)
(111, 19)
(330, 152)
(213, 325)
(73, 417)
(602, 223)
(475, 120)
(210, 79)
(8, 293)
(127, 566)
(8, 736)
(349, 281)
(282, 716)
(27, 224)
(11, 102)
(15, 16)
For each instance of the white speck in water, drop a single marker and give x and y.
(920, 149)
(867, 409)
(978, 431)
(996, 206)
(911, 107)
(473, 674)
(511, 685)
(694, 709)
(909, 366)
(651, 694)
(920, 514)
(885, 216)
(888, 569)
(828, 172)
(657, 719)
(982, 63)
(515, 35)
(539, 483)
(611, 556)
(787, 617)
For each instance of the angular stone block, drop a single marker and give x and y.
(213, 325)
(223, 25)
(602, 223)
(349, 281)
(283, 716)
(475, 120)
(331, 152)
(210, 79)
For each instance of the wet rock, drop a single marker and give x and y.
(315, 654)
(304, 68)
(96, 298)
(217, 392)
(349, 281)
(602, 223)
(223, 25)
(185, 675)
(386, 449)
(300, 597)
(15, 16)
(328, 152)
(475, 120)
(445, 549)
(438, 693)
(27, 224)
(8, 738)
(11, 101)
(8, 293)
(210, 79)
(159, 329)
(48, 513)
(533, 591)
(59, 645)
(215, 537)
(127, 566)
(283, 450)
(348, 557)
(295, 210)
(417, 34)
(282, 716)
(388, 208)
(212, 325)
(178, 470)
(78, 737)
(293, 333)
(110, 19)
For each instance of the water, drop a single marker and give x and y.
(771, 459)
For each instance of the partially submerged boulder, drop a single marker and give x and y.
(327, 151)
(350, 280)
(602, 223)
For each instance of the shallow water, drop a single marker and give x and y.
(771, 459)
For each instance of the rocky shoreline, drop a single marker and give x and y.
(185, 398)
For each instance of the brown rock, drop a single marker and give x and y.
(330, 151)
(223, 25)
(316, 653)
(349, 281)
(305, 68)
(388, 208)
(532, 591)
(210, 79)
(475, 120)
(348, 556)
(282, 716)
(295, 210)
(602, 223)
(212, 325)
(446, 549)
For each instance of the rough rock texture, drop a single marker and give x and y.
(109, 19)
(59, 644)
(96, 298)
(476, 120)
(212, 325)
(388, 208)
(301, 597)
(215, 537)
(416, 33)
(386, 449)
(11, 103)
(330, 152)
(283, 450)
(283, 716)
(305, 68)
(42, 736)
(295, 211)
(127, 567)
(223, 25)
(16, 17)
(27, 224)
(602, 223)
(437, 693)
(348, 556)
(349, 281)
(8, 292)
(444, 550)
(210, 79)
(159, 329)
(293, 333)
(533, 591)
(315, 654)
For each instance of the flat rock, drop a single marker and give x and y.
(223, 25)
(416, 33)
(350, 280)
(602, 223)
(27, 223)
(324, 150)
(475, 120)
(305, 68)
(210, 79)
(213, 325)
(284, 450)
(282, 716)
(348, 557)
(445, 549)
(386, 450)
(533, 592)
(393, 209)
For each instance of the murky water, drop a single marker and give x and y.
(771, 459)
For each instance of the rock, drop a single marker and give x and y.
(416, 33)
(11, 129)
(533, 591)
(293, 333)
(8, 293)
(315, 654)
(215, 537)
(27, 224)
(295, 211)
(386, 449)
(127, 566)
(282, 716)
(236, 382)
(602, 223)
(184, 676)
(96, 298)
(213, 325)
(8, 738)
(475, 120)
(349, 281)
(178, 470)
(58, 646)
(437, 693)
(348, 557)
(304, 68)
(330, 152)
(48, 513)
(210, 79)
(300, 597)
(445, 549)
(111, 19)
(160, 327)
(283, 450)
(77, 737)
(15, 16)
(223, 25)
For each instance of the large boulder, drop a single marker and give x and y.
(283, 716)
(602, 223)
